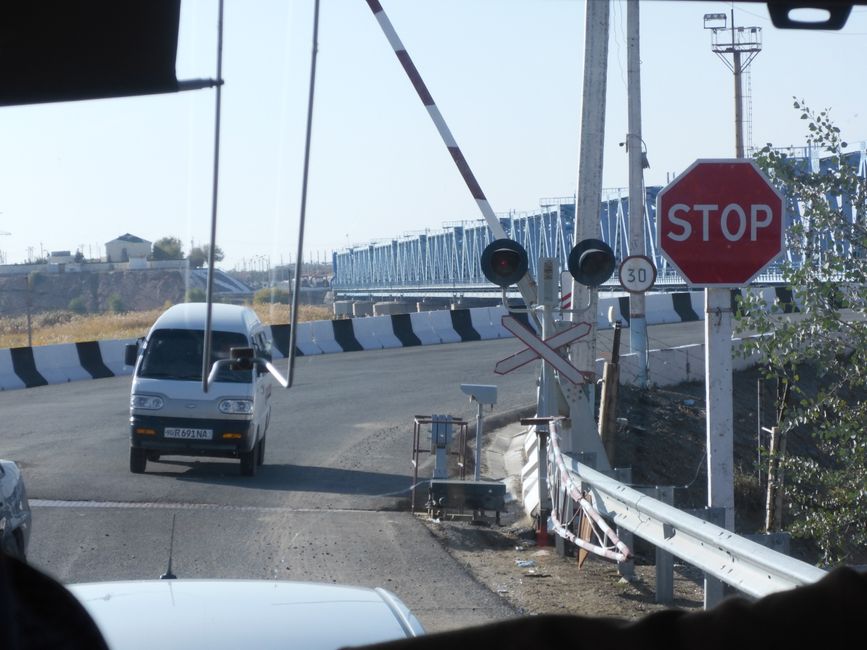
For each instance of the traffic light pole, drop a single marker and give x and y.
(584, 433)
(634, 142)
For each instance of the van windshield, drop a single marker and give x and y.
(177, 354)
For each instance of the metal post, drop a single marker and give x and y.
(739, 108)
(718, 398)
(542, 431)
(477, 472)
(664, 559)
(634, 142)
(587, 207)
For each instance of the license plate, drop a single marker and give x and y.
(188, 434)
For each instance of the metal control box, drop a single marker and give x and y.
(474, 496)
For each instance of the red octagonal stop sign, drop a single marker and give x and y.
(720, 222)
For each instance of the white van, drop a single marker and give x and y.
(170, 414)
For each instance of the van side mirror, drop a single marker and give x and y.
(130, 354)
(242, 358)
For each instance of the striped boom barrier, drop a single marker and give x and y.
(527, 289)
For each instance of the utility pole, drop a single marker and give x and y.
(584, 433)
(743, 44)
(637, 160)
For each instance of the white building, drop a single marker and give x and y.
(125, 247)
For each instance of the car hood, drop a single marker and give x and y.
(263, 614)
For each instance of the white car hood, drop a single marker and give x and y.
(234, 614)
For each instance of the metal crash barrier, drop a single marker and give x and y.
(745, 565)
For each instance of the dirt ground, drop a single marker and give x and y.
(662, 438)
(536, 580)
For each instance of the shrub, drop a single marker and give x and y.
(195, 295)
(115, 304)
(78, 305)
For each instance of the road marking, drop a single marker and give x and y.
(135, 505)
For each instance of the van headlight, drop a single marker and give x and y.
(236, 406)
(146, 402)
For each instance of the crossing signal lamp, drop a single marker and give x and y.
(504, 262)
(591, 262)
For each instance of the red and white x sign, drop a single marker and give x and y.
(546, 349)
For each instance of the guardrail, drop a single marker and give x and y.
(745, 565)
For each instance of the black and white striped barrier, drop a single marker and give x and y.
(58, 364)
(61, 363)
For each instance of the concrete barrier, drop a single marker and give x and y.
(481, 320)
(423, 328)
(323, 336)
(304, 340)
(441, 323)
(30, 367)
(376, 332)
(343, 309)
(111, 354)
(8, 379)
(59, 364)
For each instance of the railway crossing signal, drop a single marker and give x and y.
(504, 262)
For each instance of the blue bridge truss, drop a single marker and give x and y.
(448, 260)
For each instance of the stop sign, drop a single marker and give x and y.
(720, 222)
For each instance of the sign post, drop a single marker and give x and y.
(720, 223)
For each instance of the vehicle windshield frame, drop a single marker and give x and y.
(177, 353)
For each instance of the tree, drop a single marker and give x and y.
(168, 248)
(828, 277)
(198, 256)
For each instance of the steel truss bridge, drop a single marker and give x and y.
(447, 262)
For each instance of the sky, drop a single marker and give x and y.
(506, 76)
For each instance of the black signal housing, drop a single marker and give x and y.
(591, 262)
(504, 262)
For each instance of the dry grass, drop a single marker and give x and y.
(66, 327)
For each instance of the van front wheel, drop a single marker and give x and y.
(248, 461)
(138, 460)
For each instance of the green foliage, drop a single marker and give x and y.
(115, 304)
(199, 255)
(78, 305)
(827, 500)
(273, 295)
(168, 248)
(195, 295)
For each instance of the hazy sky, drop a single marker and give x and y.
(506, 76)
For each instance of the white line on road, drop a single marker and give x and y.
(57, 503)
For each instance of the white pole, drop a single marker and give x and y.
(477, 471)
(718, 394)
(634, 142)
(587, 213)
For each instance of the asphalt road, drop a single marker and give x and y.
(328, 505)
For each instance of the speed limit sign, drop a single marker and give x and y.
(637, 273)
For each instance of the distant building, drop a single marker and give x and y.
(125, 247)
(60, 257)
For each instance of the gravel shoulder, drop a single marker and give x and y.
(536, 580)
